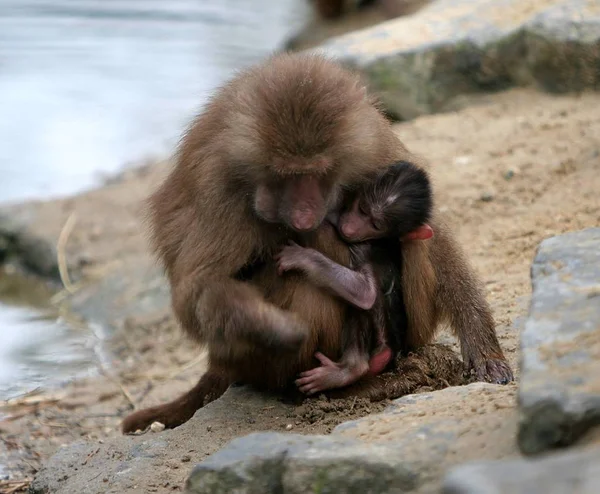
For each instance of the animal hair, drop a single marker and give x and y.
(401, 197)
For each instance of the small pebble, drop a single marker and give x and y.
(209, 428)
(486, 197)
(10, 269)
(157, 427)
(509, 174)
(186, 458)
(289, 427)
(462, 160)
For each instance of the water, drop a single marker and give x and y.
(87, 86)
(37, 347)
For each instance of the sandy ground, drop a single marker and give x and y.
(509, 170)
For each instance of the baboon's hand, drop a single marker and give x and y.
(284, 330)
(494, 370)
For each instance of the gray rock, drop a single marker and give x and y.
(567, 473)
(31, 253)
(294, 464)
(403, 449)
(419, 64)
(559, 393)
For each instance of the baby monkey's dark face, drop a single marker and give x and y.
(359, 223)
(395, 204)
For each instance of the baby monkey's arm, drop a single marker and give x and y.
(358, 287)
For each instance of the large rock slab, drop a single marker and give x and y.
(419, 64)
(575, 472)
(406, 448)
(559, 394)
(294, 464)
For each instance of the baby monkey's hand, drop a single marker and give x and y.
(291, 257)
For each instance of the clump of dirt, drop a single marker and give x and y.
(328, 413)
(434, 366)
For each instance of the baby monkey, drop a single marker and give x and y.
(374, 220)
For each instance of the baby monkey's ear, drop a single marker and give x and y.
(424, 232)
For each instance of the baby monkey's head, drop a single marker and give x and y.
(396, 203)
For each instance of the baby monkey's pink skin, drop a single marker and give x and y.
(379, 362)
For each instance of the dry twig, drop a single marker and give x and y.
(12, 486)
(200, 358)
(30, 401)
(63, 268)
(123, 389)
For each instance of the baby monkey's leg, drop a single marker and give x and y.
(330, 374)
(354, 364)
(364, 335)
(380, 351)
